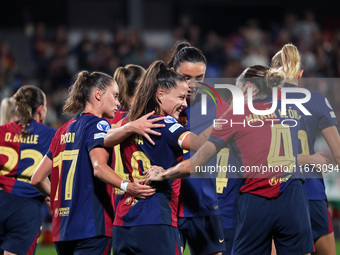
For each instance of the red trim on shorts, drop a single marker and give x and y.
(32, 248)
(330, 227)
(107, 250)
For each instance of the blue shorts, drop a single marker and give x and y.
(285, 219)
(229, 234)
(20, 222)
(320, 218)
(203, 234)
(87, 246)
(148, 240)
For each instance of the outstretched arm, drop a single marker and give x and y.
(186, 167)
(40, 179)
(102, 171)
(196, 141)
(316, 158)
(142, 126)
(332, 138)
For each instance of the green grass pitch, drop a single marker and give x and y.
(50, 250)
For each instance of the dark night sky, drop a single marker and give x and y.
(222, 15)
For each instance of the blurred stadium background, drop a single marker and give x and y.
(46, 42)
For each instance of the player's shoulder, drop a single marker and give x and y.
(102, 124)
(170, 120)
(91, 121)
(45, 128)
(316, 94)
(7, 126)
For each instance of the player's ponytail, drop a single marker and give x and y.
(274, 78)
(27, 99)
(127, 79)
(145, 99)
(263, 77)
(184, 52)
(288, 58)
(80, 91)
(169, 60)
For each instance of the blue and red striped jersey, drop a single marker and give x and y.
(322, 116)
(198, 195)
(19, 157)
(138, 155)
(80, 203)
(228, 184)
(117, 164)
(267, 145)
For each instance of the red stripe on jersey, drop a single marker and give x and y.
(174, 202)
(180, 210)
(9, 142)
(118, 116)
(123, 209)
(6, 183)
(181, 204)
(175, 188)
(109, 211)
(56, 187)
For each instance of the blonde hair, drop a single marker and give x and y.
(127, 79)
(288, 59)
(8, 113)
(27, 100)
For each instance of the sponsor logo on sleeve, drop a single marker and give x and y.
(99, 135)
(103, 125)
(174, 127)
(331, 112)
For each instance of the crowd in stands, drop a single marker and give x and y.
(55, 57)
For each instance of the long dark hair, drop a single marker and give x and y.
(145, 99)
(184, 52)
(80, 91)
(27, 100)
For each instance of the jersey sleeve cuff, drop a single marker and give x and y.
(219, 143)
(49, 155)
(96, 143)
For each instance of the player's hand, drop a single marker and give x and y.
(143, 126)
(155, 173)
(245, 92)
(140, 189)
(48, 202)
(319, 158)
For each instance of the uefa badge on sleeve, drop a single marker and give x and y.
(103, 125)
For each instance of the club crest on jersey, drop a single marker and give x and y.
(103, 125)
(169, 119)
(131, 201)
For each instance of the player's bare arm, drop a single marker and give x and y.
(142, 126)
